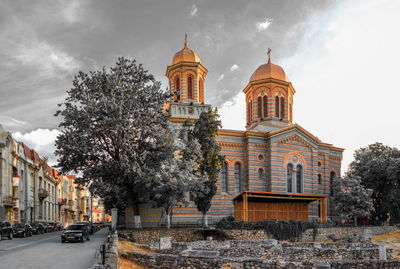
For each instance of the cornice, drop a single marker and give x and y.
(170, 68)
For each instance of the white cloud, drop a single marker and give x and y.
(233, 113)
(346, 92)
(10, 122)
(41, 140)
(263, 25)
(193, 11)
(234, 67)
(221, 77)
(44, 56)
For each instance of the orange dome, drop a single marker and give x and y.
(186, 55)
(268, 70)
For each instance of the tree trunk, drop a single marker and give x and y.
(134, 201)
(205, 220)
(355, 221)
(167, 221)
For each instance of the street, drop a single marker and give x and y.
(47, 251)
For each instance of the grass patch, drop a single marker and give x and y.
(392, 240)
(125, 245)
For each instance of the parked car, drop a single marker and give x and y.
(22, 229)
(6, 230)
(53, 226)
(75, 232)
(60, 227)
(37, 228)
(47, 227)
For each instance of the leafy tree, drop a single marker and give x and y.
(378, 166)
(209, 164)
(176, 175)
(351, 199)
(113, 129)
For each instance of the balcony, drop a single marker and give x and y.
(43, 193)
(10, 201)
(62, 202)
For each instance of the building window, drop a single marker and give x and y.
(201, 92)
(248, 112)
(319, 179)
(282, 108)
(259, 107)
(277, 106)
(260, 174)
(178, 88)
(190, 88)
(238, 176)
(224, 177)
(299, 179)
(331, 177)
(260, 157)
(289, 177)
(319, 163)
(265, 104)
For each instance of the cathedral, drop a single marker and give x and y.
(275, 169)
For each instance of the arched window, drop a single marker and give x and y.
(289, 177)
(331, 177)
(265, 104)
(224, 177)
(260, 174)
(319, 179)
(190, 88)
(248, 112)
(178, 88)
(259, 107)
(299, 179)
(282, 108)
(238, 176)
(277, 106)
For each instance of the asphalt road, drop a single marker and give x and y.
(46, 251)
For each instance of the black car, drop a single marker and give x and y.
(75, 232)
(6, 230)
(37, 228)
(22, 230)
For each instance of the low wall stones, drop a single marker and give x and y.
(111, 257)
(146, 236)
(168, 261)
(341, 233)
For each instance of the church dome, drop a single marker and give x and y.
(186, 55)
(268, 70)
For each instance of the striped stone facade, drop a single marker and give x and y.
(272, 155)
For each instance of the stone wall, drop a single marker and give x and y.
(146, 236)
(111, 259)
(272, 249)
(342, 233)
(168, 261)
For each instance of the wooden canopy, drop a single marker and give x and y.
(257, 205)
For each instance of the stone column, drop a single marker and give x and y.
(114, 216)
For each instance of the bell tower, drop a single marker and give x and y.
(269, 98)
(186, 76)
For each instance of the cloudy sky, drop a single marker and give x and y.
(341, 56)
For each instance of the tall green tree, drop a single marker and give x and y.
(351, 199)
(378, 167)
(113, 129)
(209, 164)
(173, 181)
